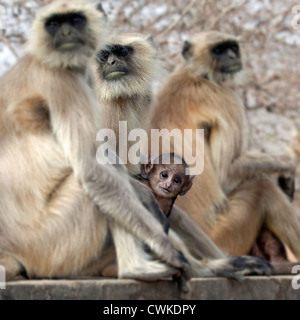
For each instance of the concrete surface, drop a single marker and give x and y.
(252, 288)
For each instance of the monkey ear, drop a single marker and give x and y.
(146, 167)
(150, 39)
(99, 7)
(186, 50)
(187, 186)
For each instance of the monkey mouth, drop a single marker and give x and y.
(115, 73)
(232, 68)
(165, 190)
(69, 45)
(166, 193)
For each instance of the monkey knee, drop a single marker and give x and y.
(12, 267)
(110, 271)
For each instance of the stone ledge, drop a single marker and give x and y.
(252, 288)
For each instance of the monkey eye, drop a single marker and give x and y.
(177, 180)
(78, 20)
(103, 56)
(121, 51)
(223, 47)
(218, 50)
(164, 175)
(235, 48)
(53, 25)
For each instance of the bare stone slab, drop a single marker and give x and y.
(252, 288)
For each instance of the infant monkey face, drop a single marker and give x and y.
(168, 181)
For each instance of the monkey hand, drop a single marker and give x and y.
(183, 283)
(235, 267)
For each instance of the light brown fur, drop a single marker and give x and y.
(233, 197)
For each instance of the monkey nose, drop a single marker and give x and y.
(111, 61)
(231, 54)
(66, 30)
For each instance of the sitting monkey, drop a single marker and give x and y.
(167, 177)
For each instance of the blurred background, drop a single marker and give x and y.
(270, 33)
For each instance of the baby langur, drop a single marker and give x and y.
(167, 177)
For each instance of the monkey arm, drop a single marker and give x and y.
(250, 164)
(108, 186)
(200, 244)
(205, 257)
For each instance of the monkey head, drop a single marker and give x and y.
(126, 66)
(167, 180)
(213, 55)
(65, 34)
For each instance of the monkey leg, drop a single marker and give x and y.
(281, 217)
(200, 245)
(235, 229)
(255, 203)
(134, 259)
(64, 238)
(13, 267)
(205, 258)
(283, 267)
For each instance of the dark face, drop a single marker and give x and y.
(227, 55)
(67, 31)
(168, 181)
(114, 61)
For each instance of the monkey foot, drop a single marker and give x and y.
(237, 267)
(153, 271)
(150, 271)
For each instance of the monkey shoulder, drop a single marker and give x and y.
(141, 179)
(24, 96)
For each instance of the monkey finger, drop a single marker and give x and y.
(183, 283)
(252, 265)
(168, 253)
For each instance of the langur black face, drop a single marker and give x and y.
(114, 61)
(68, 31)
(227, 55)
